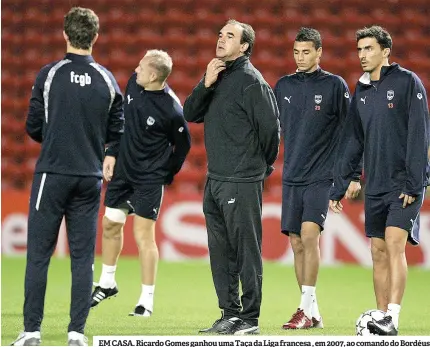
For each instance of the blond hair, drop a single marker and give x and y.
(161, 62)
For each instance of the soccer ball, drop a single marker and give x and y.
(368, 316)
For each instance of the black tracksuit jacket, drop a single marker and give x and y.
(241, 123)
(313, 108)
(76, 109)
(156, 140)
(389, 121)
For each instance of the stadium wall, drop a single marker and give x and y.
(181, 233)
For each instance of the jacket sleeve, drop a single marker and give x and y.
(260, 105)
(418, 139)
(115, 127)
(343, 102)
(278, 98)
(181, 140)
(349, 154)
(36, 113)
(342, 97)
(197, 103)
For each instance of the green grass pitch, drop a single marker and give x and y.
(185, 301)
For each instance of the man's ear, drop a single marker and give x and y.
(386, 53)
(153, 77)
(244, 47)
(95, 39)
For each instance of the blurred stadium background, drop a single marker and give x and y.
(187, 30)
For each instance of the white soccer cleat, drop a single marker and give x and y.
(76, 339)
(140, 311)
(317, 323)
(28, 339)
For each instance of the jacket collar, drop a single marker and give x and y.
(80, 58)
(385, 71)
(308, 75)
(237, 63)
(230, 67)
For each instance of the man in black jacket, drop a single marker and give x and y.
(240, 115)
(389, 122)
(313, 104)
(75, 109)
(154, 146)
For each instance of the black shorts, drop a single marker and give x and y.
(386, 210)
(144, 200)
(305, 203)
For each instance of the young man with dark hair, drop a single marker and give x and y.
(154, 147)
(389, 122)
(313, 105)
(240, 115)
(75, 110)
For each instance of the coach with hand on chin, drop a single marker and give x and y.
(239, 111)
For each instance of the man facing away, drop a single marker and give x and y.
(240, 116)
(154, 147)
(75, 109)
(389, 122)
(313, 104)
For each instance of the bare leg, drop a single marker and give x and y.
(380, 272)
(144, 233)
(310, 240)
(112, 241)
(298, 250)
(395, 239)
(306, 263)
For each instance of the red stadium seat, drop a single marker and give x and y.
(205, 19)
(264, 18)
(270, 40)
(197, 134)
(206, 38)
(148, 39)
(190, 178)
(13, 149)
(294, 18)
(352, 18)
(385, 16)
(197, 157)
(177, 37)
(323, 17)
(34, 16)
(177, 16)
(10, 125)
(182, 60)
(271, 78)
(273, 183)
(414, 16)
(266, 61)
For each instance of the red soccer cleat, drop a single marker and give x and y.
(298, 321)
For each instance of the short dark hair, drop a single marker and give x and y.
(81, 25)
(381, 35)
(309, 35)
(248, 35)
